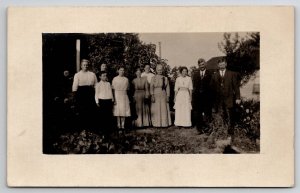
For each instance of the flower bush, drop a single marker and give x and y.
(248, 119)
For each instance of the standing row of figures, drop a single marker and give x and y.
(205, 91)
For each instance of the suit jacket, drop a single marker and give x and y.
(226, 89)
(202, 95)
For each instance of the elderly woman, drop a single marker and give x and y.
(160, 93)
(141, 92)
(183, 97)
(83, 86)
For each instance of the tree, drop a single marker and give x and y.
(242, 54)
(124, 49)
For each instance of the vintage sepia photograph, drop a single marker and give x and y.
(150, 96)
(151, 93)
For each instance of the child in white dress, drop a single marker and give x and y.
(120, 87)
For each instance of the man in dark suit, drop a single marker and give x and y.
(226, 88)
(202, 96)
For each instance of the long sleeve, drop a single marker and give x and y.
(190, 84)
(127, 87)
(176, 85)
(147, 88)
(236, 86)
(212, 82)
(110, 90)
(75, 83)
(97, 90)
(152, 85)
(168, 87)
(94, 79)
(113, 83)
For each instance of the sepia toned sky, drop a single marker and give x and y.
(184, 49)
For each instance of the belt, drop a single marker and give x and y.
(182, 88)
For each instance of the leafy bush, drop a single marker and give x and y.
(248, 119)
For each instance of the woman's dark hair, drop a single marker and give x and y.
(182, 68)
(121, 66)
(102, 72)
(138, 68)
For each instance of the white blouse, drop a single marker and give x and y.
(183, 82)
(120, 83)
(148, 76)
(84, 79)
(103, 91)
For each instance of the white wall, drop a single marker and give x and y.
(247, 89)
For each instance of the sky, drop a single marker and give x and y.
(184, 49)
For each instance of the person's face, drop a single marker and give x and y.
(202, 66)
(138, 73)
(159, 70)
(222, 65)
(103, 77)
(147, 68)
(184, 72)
(121, 71)
(190, 71)
(103, 67)
(84, 65)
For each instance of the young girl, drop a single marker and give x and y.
(120, 87)
(104, 100)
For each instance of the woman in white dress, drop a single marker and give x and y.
(120, 86)
(183, 98)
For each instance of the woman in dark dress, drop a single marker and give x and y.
(84, 87)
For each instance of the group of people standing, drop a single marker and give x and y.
(194, 96)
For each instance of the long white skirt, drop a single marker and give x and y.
(183, 108)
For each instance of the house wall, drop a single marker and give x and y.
(247, 89)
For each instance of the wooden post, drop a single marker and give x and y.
(78, 55)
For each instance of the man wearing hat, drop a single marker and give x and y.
(202, 96)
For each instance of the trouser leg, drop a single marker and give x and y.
(228, 119)
(199, 119)
(231, 121)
